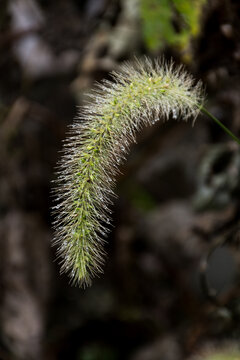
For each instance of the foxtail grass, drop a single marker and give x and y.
(139, 94)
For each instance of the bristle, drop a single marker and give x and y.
(97, 144)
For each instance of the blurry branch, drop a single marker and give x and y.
(9, 37)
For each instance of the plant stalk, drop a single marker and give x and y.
(205, 111)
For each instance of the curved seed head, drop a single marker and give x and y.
(139, 94)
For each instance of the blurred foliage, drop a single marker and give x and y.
(97, 352)
(3, 111)
(170, 22)
(230, 355)
(217, 187)
(3, 14)
(139, 197)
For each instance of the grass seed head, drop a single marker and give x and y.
(138, 95)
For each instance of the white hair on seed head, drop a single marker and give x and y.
(99, 139)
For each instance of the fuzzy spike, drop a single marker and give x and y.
(99, 140)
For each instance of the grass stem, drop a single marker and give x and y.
(205, 111)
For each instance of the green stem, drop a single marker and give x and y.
(235, 138)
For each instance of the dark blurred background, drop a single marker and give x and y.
(170, 290)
